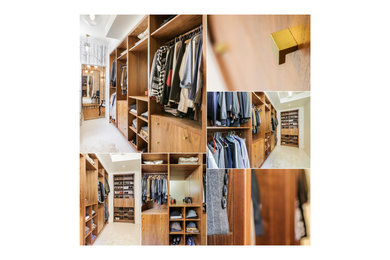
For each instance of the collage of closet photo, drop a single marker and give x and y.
(194, 130)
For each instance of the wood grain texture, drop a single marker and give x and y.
(122, 116)
(249, 63)
(278, 191)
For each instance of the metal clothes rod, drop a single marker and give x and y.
(183, 35)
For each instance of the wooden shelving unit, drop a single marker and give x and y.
(90, 175)
(260, 144)
(156, 218)
(289, 128)
(139, 56)
(124, 198)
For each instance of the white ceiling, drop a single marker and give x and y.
(108, 26)
(129, 163)
(288, 99)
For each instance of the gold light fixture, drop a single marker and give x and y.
(86, 45)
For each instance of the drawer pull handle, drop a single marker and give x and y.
(185, 137)
(220, 48)
(157, 142)
(284, 43)
(157, 123)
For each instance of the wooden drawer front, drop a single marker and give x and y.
(167, 136)
(160, 138)
(93, 112)
(185, 140)
(155, 229)
(257, 153)
(124, 202)
(294, 131)
(248, 41)
(122, 116)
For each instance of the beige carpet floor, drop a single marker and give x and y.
(119, 234)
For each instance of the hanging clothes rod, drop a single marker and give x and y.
(184, 35)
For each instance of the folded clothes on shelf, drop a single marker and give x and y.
(133, 108)
(189, 160)
(154, 162)
(86, 230)
(175, 214)
(145, 114)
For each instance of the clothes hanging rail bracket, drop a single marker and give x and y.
(183, 36)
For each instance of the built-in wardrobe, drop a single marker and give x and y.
(278, 197)
(141, 118)
(167, 179)
(260, 140)
(93, 198)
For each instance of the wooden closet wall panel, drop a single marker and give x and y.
(82, 196)
(155, 229)
(278, 189)
(242, 203)
(257, 152)
(248, 41)
(122, 116)
(100, 217)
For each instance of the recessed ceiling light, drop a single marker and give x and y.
(92, 17)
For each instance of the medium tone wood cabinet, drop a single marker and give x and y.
(171, 136)
(122, 116)
(155, 229)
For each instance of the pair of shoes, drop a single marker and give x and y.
(176, 240)
(190, 241)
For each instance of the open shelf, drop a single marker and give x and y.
(123, 57)
(141, 98)
(90, 166)
(141, 46)
(153, 168)
(182, 171)
(177, 25)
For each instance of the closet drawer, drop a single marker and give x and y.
(170, 134)
(160, 139)
(124, 202)
(294, 131)
(186, 140)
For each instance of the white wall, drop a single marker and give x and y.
(136, 169)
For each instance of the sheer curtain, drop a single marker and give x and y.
(97, 52)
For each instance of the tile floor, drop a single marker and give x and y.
(100, 136)
(286, 157)
(119, 234)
